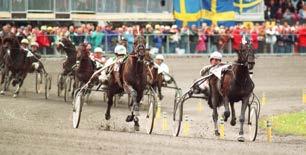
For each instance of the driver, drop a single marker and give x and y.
(215, 59)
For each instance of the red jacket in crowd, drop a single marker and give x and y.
(302, 36)
(237, 38)
(254, 39)
(42, 39)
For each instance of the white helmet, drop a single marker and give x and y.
(98, 50)
(215, 55)
(160, 57)
(120, 50)
(25, 41)
(34, 44)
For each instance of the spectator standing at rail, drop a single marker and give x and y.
(254, 39)
(158, 40)
(97, 37)
(301, 34)
(184, 38)
(193, 38)
(237, 38)
(201, 45)
(173, 39)
(280, 44)
(149, 36)
(79, 36)
(42, 39)
(129, 37)
(270, 38)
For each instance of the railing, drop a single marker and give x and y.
(168, 44)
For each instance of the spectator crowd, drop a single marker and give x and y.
(266, 37)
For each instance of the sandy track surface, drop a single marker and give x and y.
(30, 124)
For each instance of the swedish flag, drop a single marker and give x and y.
(217, 12)
(188, 12)
(244, 5)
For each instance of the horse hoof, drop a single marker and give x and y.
(107, 117)
(233, 122)
(217, 133)
(136, 128)
(226, 115)
(129, 118)
(241, 139)
(15, 95)
(2, 92)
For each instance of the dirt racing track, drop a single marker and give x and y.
(29, 124)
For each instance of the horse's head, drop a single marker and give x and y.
(140, 47)
(246, 56)
(9, 43)
(65, 44)
(82, 51)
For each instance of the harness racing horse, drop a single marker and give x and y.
(66, 45)
(15, 61)
(133, 75)
(70, 50)
(235, 85)
(85, 66)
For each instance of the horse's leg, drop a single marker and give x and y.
(215, 119)
(233, 121)
(20, 83)
(226, 106)
(110, 96)
(136, 120)
(134, 108)
(159, 86)
(3, 81)
(242, 118)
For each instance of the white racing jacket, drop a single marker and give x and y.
(164, 69)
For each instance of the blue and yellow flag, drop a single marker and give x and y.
(217, 12)
(244, 5)
(187, 12)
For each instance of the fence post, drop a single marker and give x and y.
(209, 45)
(230, 46)
(167, 44)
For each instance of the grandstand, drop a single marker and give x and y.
(100, 10)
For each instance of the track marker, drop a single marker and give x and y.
(263, 99)
(221, 126)
(200, 107)
(165, 122)
(158, 110)
(269, 131)
(186, 126)
(304, 96)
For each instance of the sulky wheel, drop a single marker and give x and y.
(252, 122)
(77, 104)
(48, 81)
(66, 88)
(38, 82)
(60, 84)
(151, 111)
(177, 116)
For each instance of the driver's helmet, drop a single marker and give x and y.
(215, 55)
(160, 57)
(98, 50)
(120, 50)
(25, 41)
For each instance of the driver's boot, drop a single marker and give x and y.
(117, 78)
